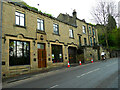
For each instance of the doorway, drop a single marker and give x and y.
(72, 54)
(41, 55)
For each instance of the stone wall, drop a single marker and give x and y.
(89, 53)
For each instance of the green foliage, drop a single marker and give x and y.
(21, 2)
(113, 34)
(33, 8)
(92, 24)
(111, 23)
(48, 14)
(101, 39)
(114, 39)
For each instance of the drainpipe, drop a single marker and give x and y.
(1, 45)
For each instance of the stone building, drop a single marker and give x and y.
(32, 40)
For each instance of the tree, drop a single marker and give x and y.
(111, 24)
(101, 13)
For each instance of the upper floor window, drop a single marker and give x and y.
(91, 41)
(84, 29)
(19, 19)
(56, 29)
(71, 33)
(40, 24)
(85, 41)
(93, 31)
(94, 41)
(89, 30)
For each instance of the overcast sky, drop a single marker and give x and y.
(55, 7)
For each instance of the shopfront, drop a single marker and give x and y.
(57, 55)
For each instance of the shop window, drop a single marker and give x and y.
(19, 53)
(57, 55)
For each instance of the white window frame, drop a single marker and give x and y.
(40, 24)
(20, 17)
(84, 29)
(56, 29)
(71, 35)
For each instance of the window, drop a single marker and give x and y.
(85, 41)
(93, 32)
(71, 33)
(20, 19)
(90, 41)
(89, 30)
(41, 46)
(19, 53)
(57, 55)
(79, 41)
(40, 24)
(94, 41)
(56, 29)
(84, 29)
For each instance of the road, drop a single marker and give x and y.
(93, 75)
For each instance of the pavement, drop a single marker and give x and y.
(94, 75)
(29, 75)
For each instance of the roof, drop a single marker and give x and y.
(35, 11)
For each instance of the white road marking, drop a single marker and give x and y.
(54, 86)
(88, 72)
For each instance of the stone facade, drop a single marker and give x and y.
(30, 34)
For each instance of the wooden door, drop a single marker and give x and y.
(41, 58)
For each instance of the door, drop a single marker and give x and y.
(41, 56)
(72, 54)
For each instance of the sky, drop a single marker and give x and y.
(55, 7)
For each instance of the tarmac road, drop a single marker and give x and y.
(103, 74)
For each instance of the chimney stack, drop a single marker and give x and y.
(74, 13)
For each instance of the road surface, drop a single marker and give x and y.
(93, 75)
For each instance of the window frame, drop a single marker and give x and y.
(94, 41)
(70, 33)
(14, 53)
(57, 57)
(89, 30)
(19, 18)
(90, 41)
(55, 27)
(93, 30)
(85, 41)
(84, 29)
(41, 22)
